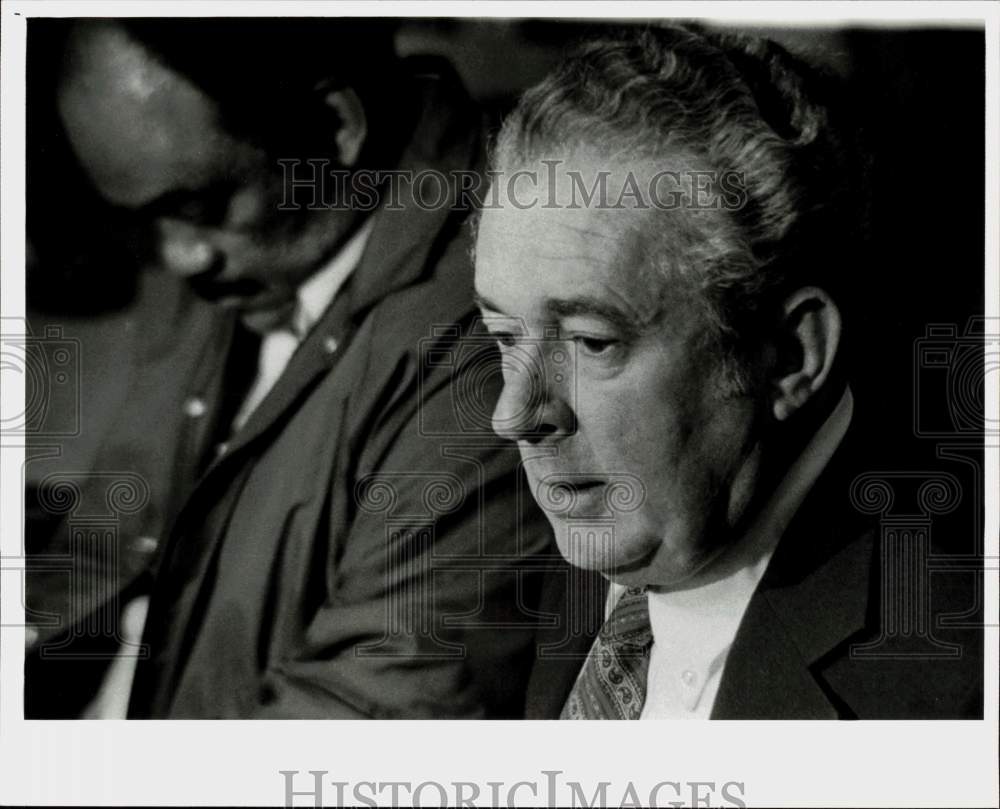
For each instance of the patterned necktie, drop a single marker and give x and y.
(612, 683)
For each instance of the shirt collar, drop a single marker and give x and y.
(696, 625)
(316, 294)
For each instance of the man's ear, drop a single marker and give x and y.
(810, 336)
(352, 128)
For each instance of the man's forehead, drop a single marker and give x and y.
(103, 56)
(590, 198)
(556, 233)
(580, 210)
(555, 244)
(529, 263)
(553, 236)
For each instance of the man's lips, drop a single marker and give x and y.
(214, 288)
(572, 484)
(561, 495)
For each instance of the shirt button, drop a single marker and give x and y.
(330, 345)
(194, 407)
(689, 678)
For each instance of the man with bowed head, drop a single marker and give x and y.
(269, 411)
(707, 377)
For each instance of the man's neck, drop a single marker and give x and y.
(784, 443)
(795, 462)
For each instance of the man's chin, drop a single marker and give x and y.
(663, 574)
(638, 573)
(260, 308)
(266, 318)
(651, 569)
(594, 550)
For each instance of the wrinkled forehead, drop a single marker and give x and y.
(557, 237)
(592, 221)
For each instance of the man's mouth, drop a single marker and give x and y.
(563, 494)
(572, 484)
(213, 288)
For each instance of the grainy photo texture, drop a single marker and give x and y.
(503, 369)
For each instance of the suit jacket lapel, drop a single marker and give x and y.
(318, 353)
(569, 620)
(787, 629)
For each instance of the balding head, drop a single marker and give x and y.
(137, 126)
(189, 157)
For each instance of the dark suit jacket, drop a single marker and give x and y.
(846, 622)
(356, 551)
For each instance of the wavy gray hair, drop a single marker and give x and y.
(731, 103)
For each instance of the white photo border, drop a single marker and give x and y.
(910, 763)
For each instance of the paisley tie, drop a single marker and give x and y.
(612, 682)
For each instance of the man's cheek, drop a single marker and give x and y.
(611, 428)
(251, 205)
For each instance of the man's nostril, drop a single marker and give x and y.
(539, 433)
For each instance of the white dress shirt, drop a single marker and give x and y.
(694, 625)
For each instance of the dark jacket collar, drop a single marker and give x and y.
(572, 611)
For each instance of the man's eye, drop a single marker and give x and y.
(211, 210)
(208, 207)
(504, 339)
(596, 346)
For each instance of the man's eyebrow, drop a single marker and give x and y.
(582, 305)
(588, 306)
(209, 199)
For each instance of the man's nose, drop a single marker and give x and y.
(533, 405)
(184, 249)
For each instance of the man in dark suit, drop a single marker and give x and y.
(669, 285)
(312, 518)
